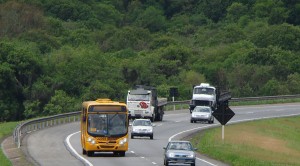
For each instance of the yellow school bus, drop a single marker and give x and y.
(104, 127)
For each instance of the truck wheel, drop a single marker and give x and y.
(153, 117)
(161, 117)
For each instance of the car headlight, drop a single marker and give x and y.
(171, 154)
(193, 115)
(91, 140)
(191, 155)
(149, 130)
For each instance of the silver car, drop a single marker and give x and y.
(142, 128)
(202, 113)
(179, 152)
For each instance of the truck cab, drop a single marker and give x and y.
(204, 95)
(142, 102)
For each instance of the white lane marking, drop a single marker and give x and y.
(132, 152)
(154, 163)
(206, 161)
(158, 125)
(244, 120)
(74, 151)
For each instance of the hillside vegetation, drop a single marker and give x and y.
(56, 54)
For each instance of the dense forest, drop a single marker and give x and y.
(56, 54)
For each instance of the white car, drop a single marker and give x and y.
(142, 128)
(202, 113)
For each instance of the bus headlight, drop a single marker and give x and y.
(91, 140)
(123, 141)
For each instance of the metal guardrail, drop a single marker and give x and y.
(41, 123)
(37, 124)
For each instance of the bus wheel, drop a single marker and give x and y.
(122, 154)
(83, 151)
(90, 153)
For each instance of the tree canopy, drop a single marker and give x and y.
(56, 54)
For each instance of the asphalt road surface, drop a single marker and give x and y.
(60, 145)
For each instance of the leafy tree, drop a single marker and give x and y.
(67, 9)
(284, 36)
(274, 87)
(16, 18)
(274, 11)
(128, 37)
(61, 103)
(31, 109)
(236, 10)
(19, 69)
(214, 9)
(294, 7)
(293, 83)
(152, 19)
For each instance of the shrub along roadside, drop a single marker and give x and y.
(265, 142)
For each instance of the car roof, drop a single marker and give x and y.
(203, 106)
(180, 141)
(142, 119)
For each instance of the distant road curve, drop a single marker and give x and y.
(60, 145)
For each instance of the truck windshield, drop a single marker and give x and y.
(138, 97)
(107, 124)
(208, 91)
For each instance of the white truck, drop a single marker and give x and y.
(204, 95)
(142, 102)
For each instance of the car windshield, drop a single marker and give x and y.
(179, 146)
(202, 109)
(132, 97)
(209, 91)
(107, 124)
(141, 123)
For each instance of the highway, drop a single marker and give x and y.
(60, 145)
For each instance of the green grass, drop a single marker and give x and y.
(260, 102)
(265, 142)
(6, 129)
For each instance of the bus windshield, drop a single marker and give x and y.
(132, 97)
(107, 124)
(208, 91)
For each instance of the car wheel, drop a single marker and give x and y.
(193, 164)
(151, 137)
(132, 137)
(83, 151)
(167, 164)
(192, 121)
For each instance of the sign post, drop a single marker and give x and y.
(173, 94)
(223, 113)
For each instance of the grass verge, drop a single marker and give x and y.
(262, 143)
(6, 129)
